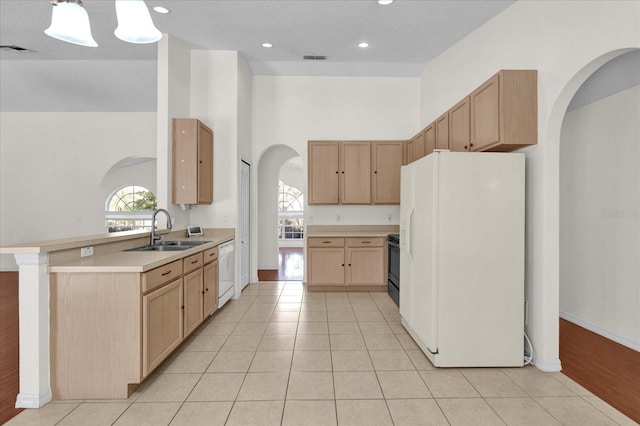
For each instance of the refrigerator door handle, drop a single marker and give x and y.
(409, 231)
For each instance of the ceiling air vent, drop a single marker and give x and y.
(314, 57)
(13, 47)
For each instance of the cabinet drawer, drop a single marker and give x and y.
(325, 242)
(365, 242)
(210, 255)
(192, 262)
(156, 277)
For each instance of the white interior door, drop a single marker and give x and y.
(245, 222)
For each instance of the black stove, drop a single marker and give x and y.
(393, 280)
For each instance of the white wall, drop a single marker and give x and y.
(174, 81)
(565, 41)
(600, 217)
(214, 100)
(52, 167)
(292, 110)
(291, 173)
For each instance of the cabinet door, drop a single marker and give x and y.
(365, 266)
(485, 114)
(411, 151)
(192, 154)
(442, 131)
(421, 145)
(162, 321)
(386, 159)
(205, 164)
(210, 287)
(429, 139)
(193, 296)
(355, 176)
(323, 168)
(325, 266)
(459, 136)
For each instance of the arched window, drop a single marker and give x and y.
(128, 208)
(290, 212)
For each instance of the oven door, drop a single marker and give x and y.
(394, 269)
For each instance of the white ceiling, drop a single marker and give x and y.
(403, 36)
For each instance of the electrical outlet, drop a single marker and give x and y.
(225, 218)
(337, 218)
(86, 251)
(389, 217)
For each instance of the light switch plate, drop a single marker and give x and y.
(86, 251)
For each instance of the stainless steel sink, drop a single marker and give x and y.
(170, 246)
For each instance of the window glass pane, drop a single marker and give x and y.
(130, 208)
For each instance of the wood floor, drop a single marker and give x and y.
(290, 266)
(9, 346)
(602, 366)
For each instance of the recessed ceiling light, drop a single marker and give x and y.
(363, 45)
(267, 45)
(385, 2)
(161, 9)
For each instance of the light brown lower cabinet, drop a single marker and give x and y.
(110, 330)
(346, 264)
(162, 324)
(210, 302)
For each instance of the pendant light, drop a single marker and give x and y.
(70, 23)
(134, 22)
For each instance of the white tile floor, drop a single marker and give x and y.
(281, 356)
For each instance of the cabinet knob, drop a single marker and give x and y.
(376, 172)
(343, 172)
(203, 292)
(343, 264)
(470, 144)
(349, 264)
(207, 289)
(465, 147)
(337, 172)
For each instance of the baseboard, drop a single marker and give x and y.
(606, 368)
(33, 400)
(548, 365)
(268, 275)
(601, 331)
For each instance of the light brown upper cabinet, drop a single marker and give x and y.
(355, 173)
(192, 162)
(386, 160)
(442, 131)
(339, 172)
(324, 172)
(416, 147)
(459, 133)
(504, 112)
(429, 139)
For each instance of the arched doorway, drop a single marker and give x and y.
(599, 232)
(270, 165)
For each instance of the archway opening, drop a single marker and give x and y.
(280, 226)
(599, 234)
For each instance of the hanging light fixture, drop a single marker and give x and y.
(134, 22)
(70, 23)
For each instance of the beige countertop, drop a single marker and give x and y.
(118, 260)
(138, 261)
(355, 231)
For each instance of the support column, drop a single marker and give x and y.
(33, 293)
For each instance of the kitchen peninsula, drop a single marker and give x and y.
(96, 326)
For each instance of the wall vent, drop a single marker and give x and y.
(314, 57)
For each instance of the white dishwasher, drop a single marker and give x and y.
(227, 272)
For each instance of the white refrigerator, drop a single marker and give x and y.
(462, 257)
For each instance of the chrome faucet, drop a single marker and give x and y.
(155, 237)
